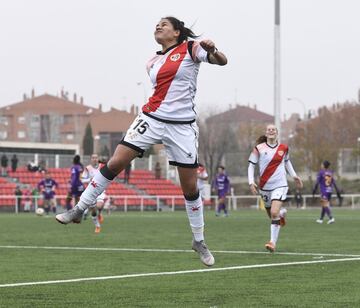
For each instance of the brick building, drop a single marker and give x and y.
(52, 119)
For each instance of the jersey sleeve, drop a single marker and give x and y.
(198, 53)
(254, 156)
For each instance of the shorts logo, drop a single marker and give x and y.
(281, 153)
(175, 57)
(189, 155)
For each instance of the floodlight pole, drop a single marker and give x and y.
(277, 92)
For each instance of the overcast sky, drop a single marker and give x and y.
(99, 48)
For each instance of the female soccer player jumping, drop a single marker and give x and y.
(169, 118)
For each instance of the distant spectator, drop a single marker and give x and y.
(14, 163)
(4, 165)
(298, 198)
(127, 173)
(42, 166)
(157, 171)
(32, 167)
(27, 193)
(18, 194)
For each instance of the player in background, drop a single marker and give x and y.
(326, 181)
(76, 186)
(221, 185)
(202, 177)
(87, 176)
(273, 160)
(48, 186)
(169, 118)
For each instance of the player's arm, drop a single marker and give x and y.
(251, 179)
(316, 185)
(290, 169)
(214, 55)
(336, 188)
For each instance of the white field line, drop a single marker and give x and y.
(176, 250)
(254, 266)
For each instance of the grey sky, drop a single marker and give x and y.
(99, 48)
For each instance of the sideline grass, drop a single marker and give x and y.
(311, 285)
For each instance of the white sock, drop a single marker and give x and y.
(194, 209)
(274, 232)
(95, 221)
(97, 185)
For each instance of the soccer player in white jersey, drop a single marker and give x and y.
(168, 118)
(87, 176)
(273, 160)
(202, 177)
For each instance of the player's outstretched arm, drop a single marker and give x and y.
(215, 56)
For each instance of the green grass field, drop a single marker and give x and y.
(300, 274)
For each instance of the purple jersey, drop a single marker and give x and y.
(222, 184)
(77, 186)
(47, 186)
(326, 181)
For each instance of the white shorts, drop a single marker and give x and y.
(276, 194)
(180, 140)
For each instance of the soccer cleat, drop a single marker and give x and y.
(101, 218)
(319, 221)
(97, 229)
(270, 246)
(331, 221)
(205, 255)
(74, 215)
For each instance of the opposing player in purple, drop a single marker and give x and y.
(76, 185)
(169, 118)
(222, 186)
(48, 186)
(326, 182)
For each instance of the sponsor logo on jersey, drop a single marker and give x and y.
(175, 57)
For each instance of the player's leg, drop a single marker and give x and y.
(194, 210)
(328, 210)
(275, 225)
(122, 156)
(47, 206)
(323, 203)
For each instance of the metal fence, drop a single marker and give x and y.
(160, 203)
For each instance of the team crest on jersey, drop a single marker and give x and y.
(175, 57)
(281, 153)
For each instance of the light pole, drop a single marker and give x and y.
(306, 144)
(358, 156)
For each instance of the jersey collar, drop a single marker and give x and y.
(160, 52)
(273, 146)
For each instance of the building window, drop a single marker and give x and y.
(3, 135)
(21, 134)
(3, 120)
(69, 136)
(68, 118)
(21, 120)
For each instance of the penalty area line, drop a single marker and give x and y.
(241, 267)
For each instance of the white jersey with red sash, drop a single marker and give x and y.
(271, 160)
(173, 75)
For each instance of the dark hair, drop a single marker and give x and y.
(76, 160)
(326, 164)
(185, 33)
(222, 167)
(261, 139)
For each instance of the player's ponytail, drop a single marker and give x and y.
(261, 139)
(185, 33)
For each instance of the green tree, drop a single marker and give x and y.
(88, 141)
